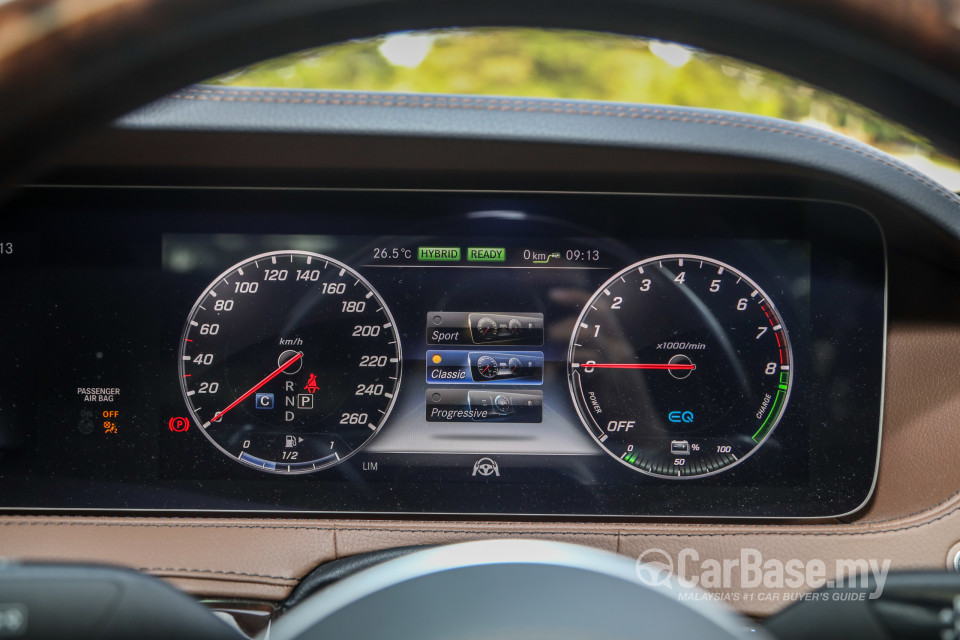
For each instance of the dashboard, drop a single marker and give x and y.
(469, 353)
(104, 457)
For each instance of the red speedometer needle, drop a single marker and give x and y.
(665, 367)
(253, 389)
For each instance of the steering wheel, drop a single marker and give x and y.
(67, 66)
(511, 589)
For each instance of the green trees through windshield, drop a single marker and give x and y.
(583, 65)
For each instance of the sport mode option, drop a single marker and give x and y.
(456, 327)
(485, 367)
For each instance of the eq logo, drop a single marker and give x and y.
(680, 416)
(178, 425)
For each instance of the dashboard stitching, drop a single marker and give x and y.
(215, 572)
(165, 525)
(297, 528)
(490, 104)
(487, 533)
(930, 509)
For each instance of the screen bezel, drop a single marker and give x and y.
(832, 228)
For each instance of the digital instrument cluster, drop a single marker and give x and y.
(492, 354)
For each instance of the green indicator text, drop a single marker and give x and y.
(773, 411)
(438, 254)
(486, 254)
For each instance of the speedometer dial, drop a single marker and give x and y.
(680, 366)
(290, 362)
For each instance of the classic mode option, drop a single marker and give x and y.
(485, 367)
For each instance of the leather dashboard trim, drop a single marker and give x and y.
(272, 556)
(265, 558)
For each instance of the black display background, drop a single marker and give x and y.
(87, 304)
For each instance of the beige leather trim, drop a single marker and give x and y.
(263, 559)
(920, 436)
(914, 520)
(217, 558)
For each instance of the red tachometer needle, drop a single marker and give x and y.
(253, 389)
(667, 367)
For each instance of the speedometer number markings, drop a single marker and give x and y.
(290, 362)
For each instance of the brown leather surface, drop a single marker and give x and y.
(209, 557)
(930, 27)
(914, 519)
(25, 24)
(922, 409)
(262, 559)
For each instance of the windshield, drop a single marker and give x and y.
(580, 65)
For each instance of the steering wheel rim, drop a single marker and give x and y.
(69, 65)
(510, 589)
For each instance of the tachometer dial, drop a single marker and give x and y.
(680, 366)
(290, 362)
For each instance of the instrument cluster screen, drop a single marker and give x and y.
(476, 354)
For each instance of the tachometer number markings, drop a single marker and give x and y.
(693, 374)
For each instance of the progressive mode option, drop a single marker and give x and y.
(483, 405)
